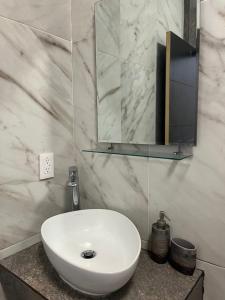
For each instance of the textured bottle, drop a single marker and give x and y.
(160, 240)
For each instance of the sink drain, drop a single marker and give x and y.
(88, 254)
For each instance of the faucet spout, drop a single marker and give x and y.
(76, 197)
(73, 188)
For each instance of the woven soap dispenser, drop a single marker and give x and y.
(160, 240)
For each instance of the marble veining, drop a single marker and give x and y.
(199, 182)
(127, 33)
(52, 16)
(107, 23)
(192, 192)
(126, 192)
(195, 186)
(138, 24)
(109, 97)
(36, 115)
(106, 182)
(137, 105)
(170, 15)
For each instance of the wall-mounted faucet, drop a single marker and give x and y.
(73, 194)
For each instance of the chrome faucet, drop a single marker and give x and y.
(73, 188)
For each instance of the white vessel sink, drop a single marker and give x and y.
(111, 241)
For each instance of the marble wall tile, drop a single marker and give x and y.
(117, 183)
(138, 107)
(107, 24)
(193, 191)
(25, 206)
(170, 14)
(36, 115)
(122, 31)
(137, 32)
(109, 97)
(84, 93)
(52, 16)
(106, 182)
(142, 25)
(127, 33)
(108, 75)
(83, 10)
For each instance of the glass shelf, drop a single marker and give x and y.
(161, 155)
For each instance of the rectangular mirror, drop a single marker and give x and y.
(144, 48)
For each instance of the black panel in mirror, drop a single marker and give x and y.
(181, 91)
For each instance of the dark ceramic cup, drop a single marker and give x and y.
(183, 256)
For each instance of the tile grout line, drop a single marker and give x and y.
(15, 248)
(36, 238)
(210, 263)
(72, 88)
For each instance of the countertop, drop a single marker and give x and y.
(150, 282)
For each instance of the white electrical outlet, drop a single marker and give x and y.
(46, 165)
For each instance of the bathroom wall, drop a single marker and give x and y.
(126, 47)
(192, 191)
(108, 70)
(36, 112)
(115, 182)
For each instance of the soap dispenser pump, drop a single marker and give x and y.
(160, 239)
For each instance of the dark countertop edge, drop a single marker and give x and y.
(146, 252)
(44, 298)
(196, 283)
(23, 281)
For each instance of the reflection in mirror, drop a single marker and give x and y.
(131, 60)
